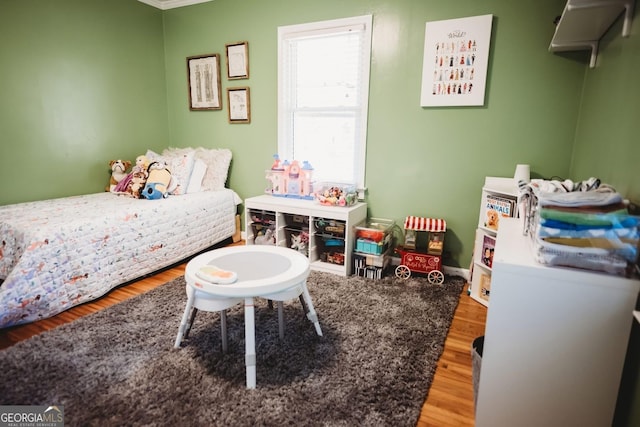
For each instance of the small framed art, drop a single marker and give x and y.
(238, 60)
(239, 105)
(203, 73)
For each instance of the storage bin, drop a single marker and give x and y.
(263, 217)
(375, 229)
(330, 227)
(298, 239)
(335, 194)
(370, 266)
(330, 249)
(371, 247)
(263, 234)
(476, 362)
(296, 221)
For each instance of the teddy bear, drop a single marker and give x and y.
(118, 172)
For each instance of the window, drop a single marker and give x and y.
(323, 92)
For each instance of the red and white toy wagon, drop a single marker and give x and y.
(428, 260)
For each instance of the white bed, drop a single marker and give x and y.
(58, 253)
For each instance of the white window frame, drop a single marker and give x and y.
(285, 137)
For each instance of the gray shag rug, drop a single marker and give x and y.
(373, 366)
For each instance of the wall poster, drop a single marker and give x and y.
(203, 75)
(456, 54)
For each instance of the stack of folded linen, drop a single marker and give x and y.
(588, 227)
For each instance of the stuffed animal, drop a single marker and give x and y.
(118, 172)
(142, 164)
(299, 242)
(133, 182)
(137, 183)
(159, 182)
(266, 239)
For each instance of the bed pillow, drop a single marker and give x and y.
(197, 175)
(217, 160)
(199, 167)
(180, 166)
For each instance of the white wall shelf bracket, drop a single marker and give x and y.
(628, 11)
(583, 23)
(591, 45)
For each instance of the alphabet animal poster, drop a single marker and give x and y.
(456, 54)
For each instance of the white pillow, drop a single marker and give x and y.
(217, 160)
(197, 175)
(180, 166)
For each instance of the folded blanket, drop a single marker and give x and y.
(599, 197)
(612, 219)
(626, 234)
(586, 258)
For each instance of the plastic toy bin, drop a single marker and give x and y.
(370, 266)
(298, 239)
(374, 236)
(330, 249)
(263, 217)
(330, 227)
(296, 221)
(375, 229)
(335, 194)
(371, 247)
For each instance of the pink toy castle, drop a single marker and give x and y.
(290, 179)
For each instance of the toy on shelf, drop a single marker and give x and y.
(427, 260)
(290, 179)
(331, 194)
(300, 241)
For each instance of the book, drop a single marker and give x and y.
(485, 286)
(488, 248)
(495, 207)
(213, 274)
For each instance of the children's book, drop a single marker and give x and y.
(496, 207)
(485, 286)
(488, 248)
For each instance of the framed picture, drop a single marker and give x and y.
(239, 105)
(454, 68)
(203, 74)
(238, 60)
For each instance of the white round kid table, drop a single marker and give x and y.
(272, 272)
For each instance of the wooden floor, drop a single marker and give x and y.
(450, 399)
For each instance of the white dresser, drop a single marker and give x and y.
(555, 340)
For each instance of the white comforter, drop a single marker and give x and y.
(58, 253)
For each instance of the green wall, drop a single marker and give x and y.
(607, 145)
(86, 81)
(608, 131)
(82, 83)
(420, 161)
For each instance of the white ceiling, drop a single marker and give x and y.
(170, 4)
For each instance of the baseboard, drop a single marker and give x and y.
(456, 271)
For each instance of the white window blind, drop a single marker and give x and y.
(323, 90)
